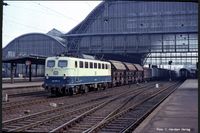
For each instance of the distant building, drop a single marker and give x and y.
(40, 44)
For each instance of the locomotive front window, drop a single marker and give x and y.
(50, 63)
(62, 63)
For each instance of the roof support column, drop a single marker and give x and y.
(90, 43)
(175, 41)
(12, 73)
(36, 65)
(162, 41)
(188, 37)
(30, 73)
(66, 45)
(124, 43)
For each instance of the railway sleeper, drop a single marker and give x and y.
(5, 129)
(108, 130)
(124, 120)
(84, 126)
(95, 118)
(89, 122)
(73, 131)
(10, 127)
(79, 128)
(132, 115)
(114, 127)
(116, 124)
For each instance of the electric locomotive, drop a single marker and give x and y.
(71, 75)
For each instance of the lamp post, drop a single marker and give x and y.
(170, 63)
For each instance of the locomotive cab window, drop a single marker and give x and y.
(62, 63)
(106, 66)
(50, 63)
(109, 67)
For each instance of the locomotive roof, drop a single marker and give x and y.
(118, 65)
(130, 66)
(139, 68)
(77, 58)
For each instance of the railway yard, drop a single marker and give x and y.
(118, 109)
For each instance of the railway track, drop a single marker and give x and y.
(18, 104)
(29, 108)
(86, 121)
(90, 118)
(35, 122)
(93, 120)
(128, 119)
(12, 106)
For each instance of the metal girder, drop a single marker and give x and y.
(125, 33)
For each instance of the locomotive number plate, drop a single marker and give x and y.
(55, 73)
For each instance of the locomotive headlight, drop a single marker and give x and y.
(47, 77)
(64, 77)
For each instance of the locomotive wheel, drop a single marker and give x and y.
(99, 88)
(53, 92)
(82, 90)
(70, 91)
(85, 88)
(105, 86)
(65, 91)
(58, 93)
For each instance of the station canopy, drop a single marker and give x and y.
(31, 59)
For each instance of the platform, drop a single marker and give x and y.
(22, 79)
(19, 88)
(177, 114)
(21, 85)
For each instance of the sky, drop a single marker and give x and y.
(21, 17)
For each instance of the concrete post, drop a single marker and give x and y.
(30, 73)
(12, 73)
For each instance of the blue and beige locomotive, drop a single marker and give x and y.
(71, 75)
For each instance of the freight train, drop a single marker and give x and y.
(71, 75)
(187, 73)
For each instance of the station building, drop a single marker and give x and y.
(139, 31)
(37, 44)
